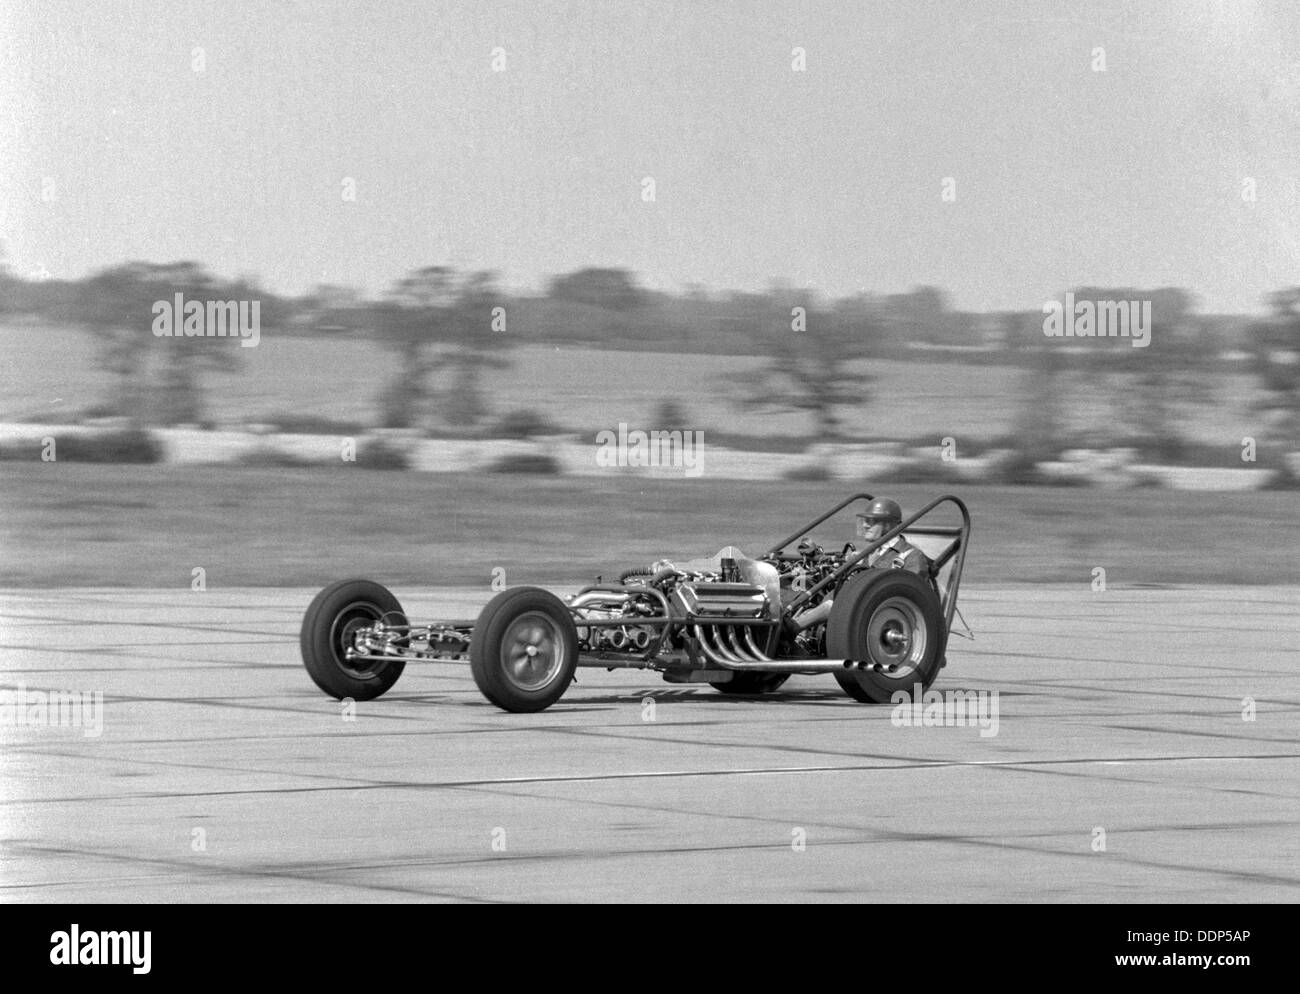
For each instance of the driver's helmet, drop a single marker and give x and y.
(883, 515)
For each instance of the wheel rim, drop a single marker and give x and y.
(354, 617)
(533, 651)
(896, 635)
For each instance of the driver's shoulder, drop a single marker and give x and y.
(912, 555)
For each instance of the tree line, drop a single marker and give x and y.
(448, 328)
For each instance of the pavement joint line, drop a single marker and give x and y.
(661, 774)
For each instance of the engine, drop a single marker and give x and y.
(716, 612)
(726, 621)
(707, 602)
(615, 615)
(704, 616)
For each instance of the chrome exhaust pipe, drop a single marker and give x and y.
(640, 638)
(864, 664)
(741, 653)
(719, 656)
(753, 648)
(605, 598)
(618, 638)
(815, 616)
(714, 649)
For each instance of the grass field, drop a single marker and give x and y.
(48, 371)
(68, 524)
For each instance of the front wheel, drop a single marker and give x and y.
(329, 629)
(524, 649)
(891, 617)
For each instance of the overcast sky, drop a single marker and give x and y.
(113, 146)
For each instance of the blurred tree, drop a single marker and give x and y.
(430, 289)
(807, 355)
(9, 284)
(437, 322)
(1118, 394)
(1169, 378)
(611, 289)
(117, 305)
(477, 311)
(920, 315)
(412, 320)
(1275, 350)
(1041, 428)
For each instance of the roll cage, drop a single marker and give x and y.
(953, 552)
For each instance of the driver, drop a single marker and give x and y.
(898, 553)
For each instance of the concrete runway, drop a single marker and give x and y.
(222, 774)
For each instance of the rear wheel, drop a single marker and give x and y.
(329, 628)
(751, 683)
(891, 617)
(524, 649)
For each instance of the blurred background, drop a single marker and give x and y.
(480, 235)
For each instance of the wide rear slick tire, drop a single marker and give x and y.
(888, 616)
(328, 628)
(524, 649)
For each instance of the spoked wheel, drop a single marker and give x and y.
(891, 617)
(329, 629)
(524, 649)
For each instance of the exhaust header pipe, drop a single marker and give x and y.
(732, 655)
(809, 618)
